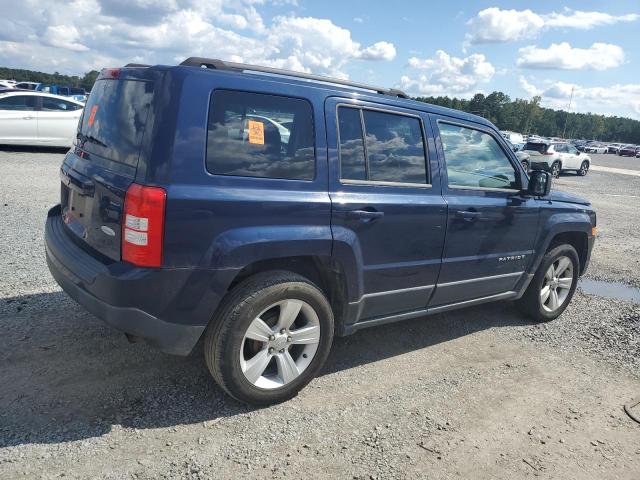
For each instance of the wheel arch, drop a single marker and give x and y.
(325, 272)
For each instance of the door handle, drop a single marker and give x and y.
(365, 215)
(28, 118)
(468, 215)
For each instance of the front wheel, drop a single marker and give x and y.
(270, 338)
(584, 169)
(553, 285)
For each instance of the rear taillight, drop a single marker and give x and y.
(143, 225)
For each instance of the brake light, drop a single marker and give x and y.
(110, 73)
(143, 225)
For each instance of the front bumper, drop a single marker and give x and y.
(170, 308)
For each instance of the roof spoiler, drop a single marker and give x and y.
(214, 63)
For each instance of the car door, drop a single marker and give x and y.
(18, 124)
(388, 214)
(572, 158)
(57, 121)
(491, 226)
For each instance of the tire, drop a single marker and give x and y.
(533, 304)
(584, 169)
(232, 356)
(556, 168)
(525, 165)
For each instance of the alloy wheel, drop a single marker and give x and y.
(584, 168)
(556, 285)
(280, 343)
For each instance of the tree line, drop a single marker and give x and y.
(528, 117)
(86, 81)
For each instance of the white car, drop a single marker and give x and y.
(596, 148)
(557, 158)
(38, 119)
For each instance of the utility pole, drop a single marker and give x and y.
(564, 130)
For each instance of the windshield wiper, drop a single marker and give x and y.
(92, 139)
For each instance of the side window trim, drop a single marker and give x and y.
(447, 121)
(361, 109)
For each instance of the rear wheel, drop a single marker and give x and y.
(270, 338)
(556, 168)
(553, 285)
(584, 169)
(525, 165)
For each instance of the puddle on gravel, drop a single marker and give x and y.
(616, 290)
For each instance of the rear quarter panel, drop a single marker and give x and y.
(224, 223)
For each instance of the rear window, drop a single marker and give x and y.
(538, 147)
(114, 119)
(257, 135)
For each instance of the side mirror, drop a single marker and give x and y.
(539, 183)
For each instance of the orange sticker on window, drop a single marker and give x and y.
(256, 132)
(92, 117)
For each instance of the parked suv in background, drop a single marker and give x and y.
(186, 213)
(557, 158)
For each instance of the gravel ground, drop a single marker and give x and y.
(615, 161)
(477, 393)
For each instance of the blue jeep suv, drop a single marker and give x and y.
(265, 211)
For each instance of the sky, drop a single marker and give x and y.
(454, 48)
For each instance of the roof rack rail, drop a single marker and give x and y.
(217, 64)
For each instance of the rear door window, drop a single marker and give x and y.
(18, 102)
(258, 135)
(50, 104)
(393, 149)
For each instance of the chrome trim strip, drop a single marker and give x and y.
(428, 311)
(475, 301)
(479, 279)
(393, 292)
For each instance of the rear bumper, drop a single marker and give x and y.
(170, 308)
(539, 166)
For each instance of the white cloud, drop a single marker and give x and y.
(619, 99)
(494, 25)
(64, 37)
(448, 75)
(379, 51)
(600, 56)
(114, 32)
(586, 20)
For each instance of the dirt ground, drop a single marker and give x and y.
(477, 393)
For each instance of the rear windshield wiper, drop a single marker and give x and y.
(91, 139)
